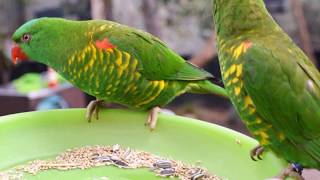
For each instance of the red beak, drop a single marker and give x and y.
(17, 54)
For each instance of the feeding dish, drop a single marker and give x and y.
(30, 136)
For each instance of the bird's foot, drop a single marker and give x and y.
(93, 109)
(152, 118)
(293, 170)
(256, 153)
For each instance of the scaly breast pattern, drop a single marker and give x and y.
(113, 75)
(232, 73)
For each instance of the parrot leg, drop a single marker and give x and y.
(93, 109)
(256, 153)
(293, 170)
(153, 118)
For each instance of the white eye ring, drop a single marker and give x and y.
(26, 37)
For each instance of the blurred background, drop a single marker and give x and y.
(185, 25)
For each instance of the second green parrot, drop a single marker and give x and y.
(271, 82)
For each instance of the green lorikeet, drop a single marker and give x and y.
(112, 62)
(271, 82)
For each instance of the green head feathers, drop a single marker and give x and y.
(236, 17)
(48, 40)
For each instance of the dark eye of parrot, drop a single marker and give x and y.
(26, 38)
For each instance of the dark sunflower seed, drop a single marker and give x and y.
(120, 163)
(102, 159)
(162, 164)
(167, 172)
(196, 176)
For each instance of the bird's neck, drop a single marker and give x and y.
(235, 18)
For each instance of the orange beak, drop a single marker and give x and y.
(17, 54)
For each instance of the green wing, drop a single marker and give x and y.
(285, 90)
(156, 60)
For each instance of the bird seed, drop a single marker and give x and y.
(94, 156)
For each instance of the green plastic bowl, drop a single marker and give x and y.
(42, 135)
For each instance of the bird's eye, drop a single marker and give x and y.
(26, 38)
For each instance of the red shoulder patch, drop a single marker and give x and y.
(104, 44)
(247, 44)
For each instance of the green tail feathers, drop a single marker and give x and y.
(206, 87)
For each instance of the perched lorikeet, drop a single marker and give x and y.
(271, 82)
(113, 62)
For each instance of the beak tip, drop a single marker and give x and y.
(15, 60)
(17, 54)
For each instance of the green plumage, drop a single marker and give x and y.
(274, 86)
(131, 67)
